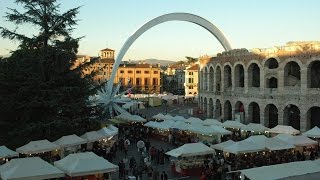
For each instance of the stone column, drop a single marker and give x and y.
(280, 116)
(304, 80)
(262, 80)
(304, 124)
(232, 79)
(246, 81)
(262, 117)
(280, 81)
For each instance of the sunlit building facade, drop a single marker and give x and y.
(279, 85)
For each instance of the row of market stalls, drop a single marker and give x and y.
(74, 164)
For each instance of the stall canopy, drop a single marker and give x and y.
(29, 168)
(191, 149)
(275, 144)
(244, 147)
(107, 131)
(92, 136)
(181, 126)
(167, 117)
(259, 139)
(295, 170)
(232, 124)
(255, 127)
(166, 124)
(39, 146)
(220, 130)
(282, 129)
(314, 132)
(6, 152)
(296, 140)
(209, 122)
(194, 120)
(178, 118)
(158, 116)
(130, 118)
(82, 164)
(222, 145)
(69, 141)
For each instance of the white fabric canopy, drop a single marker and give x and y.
(232, 124)
(69, 141)
(181, 126)
(200, 129)
(282, 129)
(314, 132)
(281, 171)
(167, 117)
(244, 147)
(296, 140)
(39, 146)
(6, 152)
(29, 169)
(178, 118)
(166, 124)
(254, 127)
(258, 139)
(209, 122)
(194, 120)
(191, 149)
(275, 144)
(130, 117)
(220, 130)
(158, 116)
(152, 124)
(107, 132)
(222, 145)
(92, 136)
(87, 163)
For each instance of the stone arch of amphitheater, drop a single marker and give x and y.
(267, 88)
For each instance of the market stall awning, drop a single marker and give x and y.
(92, 136)
(191, 149)
(167, 117)
(178, 118)
(6, 152)
(232, 124)
(87, 163)
(255, 127)
(69, 141)
(222, 145)
(244, 147)
(39, 146)
(275, 144)
(194, 120)
(116, 121)
(181, 126)
(297, 140)
(107, 131)
(130, 118)
(29, 168)
(158, 116)
(313, 133)
(209, 122)
(220, 130)
(282, 129)
(295, 170)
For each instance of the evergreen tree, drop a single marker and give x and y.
(43, 92)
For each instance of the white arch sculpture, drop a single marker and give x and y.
(161, 19)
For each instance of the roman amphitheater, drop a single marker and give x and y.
(279, 85)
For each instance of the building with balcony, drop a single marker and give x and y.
(279, 85)
(191, 81)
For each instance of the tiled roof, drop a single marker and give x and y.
(107, 49)
(194, 67)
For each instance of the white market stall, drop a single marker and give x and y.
(275, 144)
(233, 124)
(7, 153)
(282, 129)
(209, 122)
(158, 116)
(191, 157)
(29, 168)
(244, 147)
(222, 145)
(85, 164)
(194, 120)
(69, 144)
(297, 140)
(313, 133)
(309, 170)
(108, 131)
(255, 127)
(178, 118)
(91, 137)
(40, 146)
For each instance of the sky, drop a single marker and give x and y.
(246, 24)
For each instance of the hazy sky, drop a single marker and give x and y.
(246, 24)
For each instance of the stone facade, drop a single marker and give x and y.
(279, 85)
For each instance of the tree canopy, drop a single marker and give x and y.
(43, 92)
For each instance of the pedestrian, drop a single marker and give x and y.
(155, 174)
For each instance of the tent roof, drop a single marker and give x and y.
(181, 125)
(220, 130)
(107, 131)
(281, 171)
(167, 117)
(277, 144)
(29, 168)
(314, 132)
(194, 120)
(222, 145)
(158, 116)
(39, 146)
(254, 127)
(6, 152)
(232, 124)
(129, 117)
(178, 118)
(244, 147)
(92, 136)
(70, 140)
(87, 163)
(258, 139)
(296, 140)
(282, 129)
(209, 122)
(191, 149)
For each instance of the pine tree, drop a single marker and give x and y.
(43, 94)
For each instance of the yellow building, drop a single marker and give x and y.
(142, 77)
